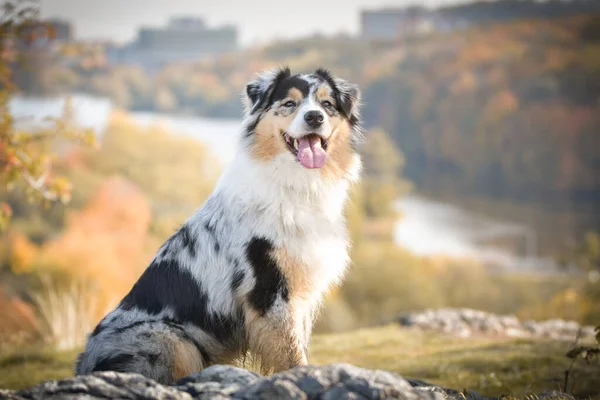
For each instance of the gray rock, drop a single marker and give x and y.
(336, 381)
(329, 382)
(444, 393)
(466, 322)
(103, 385)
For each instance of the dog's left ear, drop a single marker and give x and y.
(349, 100)
(260, 90)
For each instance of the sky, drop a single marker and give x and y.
(258, 21)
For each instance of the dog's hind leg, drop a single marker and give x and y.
(186, 359)
(277, 338)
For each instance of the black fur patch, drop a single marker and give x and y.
(212, 232)
(169, 245)
(270, 282)
(209, 228)
(151, 357)
(285, 85)
(251, 127)
(326, 76)
(261, 97)
(117, 363)
(132, 325)
(236, 279)
(188, 240)
(345, 100)
(166, 284)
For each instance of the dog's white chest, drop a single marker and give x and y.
(319, 242)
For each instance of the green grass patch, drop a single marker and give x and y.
(20, 369)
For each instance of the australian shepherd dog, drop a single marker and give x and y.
(246, 273)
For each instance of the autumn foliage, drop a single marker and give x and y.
(129, 195)
(104, 242)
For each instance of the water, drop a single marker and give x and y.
(428, 227)
(89, 112)
(94, 112)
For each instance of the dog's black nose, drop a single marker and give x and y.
(314, 118)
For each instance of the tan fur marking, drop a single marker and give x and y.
(280, 341)
(268, 142)
(339, 160)
(304, 299)
(295, 94)
(276, 341)
(186, 359)
(322, 92)
(295, 272)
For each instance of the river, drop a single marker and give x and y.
(427, 226)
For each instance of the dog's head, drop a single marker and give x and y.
(305, 121)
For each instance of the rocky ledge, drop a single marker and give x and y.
(335, 381)
(467, 322)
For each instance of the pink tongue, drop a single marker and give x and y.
(310, 153)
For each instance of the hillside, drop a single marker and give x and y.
(504, 110)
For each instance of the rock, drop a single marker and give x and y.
(103, 385)
(465, 322)
(217, 381)
(329, 382)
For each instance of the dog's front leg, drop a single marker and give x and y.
(277, 337)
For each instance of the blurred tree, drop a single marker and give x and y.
(19, 325)
(26, 156)
(585, 256)
(165, 101)
(105, 243)
(590, 32)
(381, 181)
(176, 173)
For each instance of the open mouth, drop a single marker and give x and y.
(310, 150)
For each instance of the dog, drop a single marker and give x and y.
(247, 272)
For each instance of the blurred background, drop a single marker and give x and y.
(481, 187)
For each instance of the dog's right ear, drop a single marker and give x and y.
(260, 90)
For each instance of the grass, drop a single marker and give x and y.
(21, 369)
(491, 366)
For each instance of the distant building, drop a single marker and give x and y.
(393, 23)
(183, 39)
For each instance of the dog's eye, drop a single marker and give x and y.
(289, 104)
(327, 104)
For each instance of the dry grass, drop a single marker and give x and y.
(491, 366)
(21, 369)
(66, 314)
